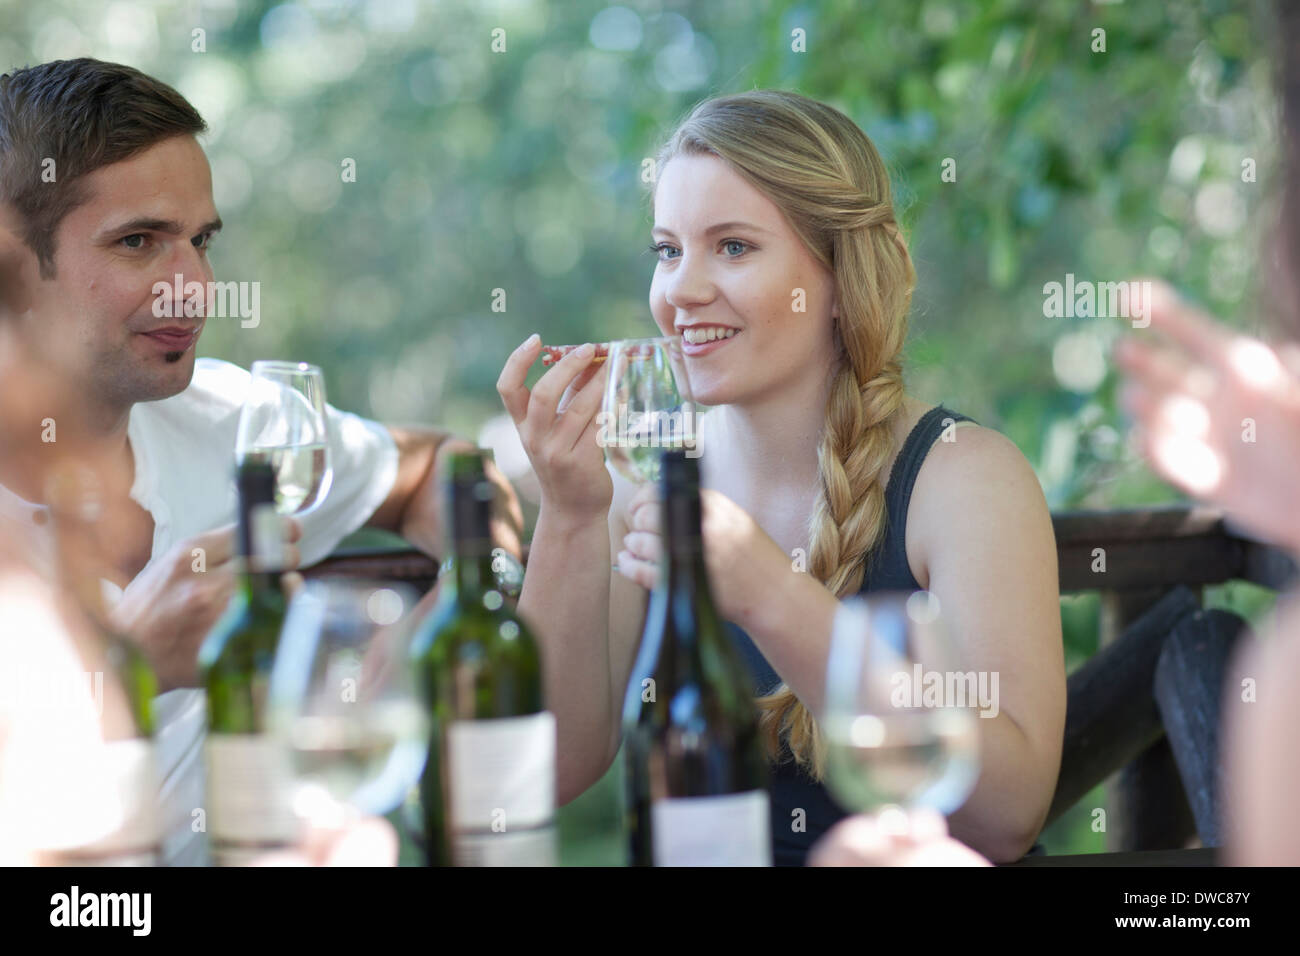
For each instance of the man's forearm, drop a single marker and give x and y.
(412, 508)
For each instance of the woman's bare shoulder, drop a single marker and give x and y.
(974, 480)
(969, 458)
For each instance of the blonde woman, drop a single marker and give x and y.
(764, 200)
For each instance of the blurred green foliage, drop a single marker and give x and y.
(519, 170)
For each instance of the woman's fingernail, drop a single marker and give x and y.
(532, 340)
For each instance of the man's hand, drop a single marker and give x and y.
(171, 606)
(415, 508)
(507, 515)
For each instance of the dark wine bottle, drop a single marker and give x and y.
(125, 776)
(696, 775)
(488, 790)
(248, 810)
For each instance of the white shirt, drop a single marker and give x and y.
(184, 450)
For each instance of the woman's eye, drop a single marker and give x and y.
(661, 249)
(739, 246)
(134, 241)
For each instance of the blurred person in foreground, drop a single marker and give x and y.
(1190, 398)
(1190, 392)
(105, 193)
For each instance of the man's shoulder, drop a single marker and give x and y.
(208, 407)
(219, 380)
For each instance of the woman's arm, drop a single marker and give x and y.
(981, 528)
(786, 611)
(565, 602)
(1261, 777)
(627, 607)
(565, 597)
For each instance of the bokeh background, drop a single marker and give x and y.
(519, 169)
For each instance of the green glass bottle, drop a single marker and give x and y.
(125, 775)
(488, 790)
(247, 771)
(696, 775)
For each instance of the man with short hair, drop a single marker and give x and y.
(107, 192)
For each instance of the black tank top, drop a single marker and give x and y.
(792, 788)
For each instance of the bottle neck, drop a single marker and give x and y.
(260, 546)
(472, 542)
(258, 586)
(473, 569)
(684, 573)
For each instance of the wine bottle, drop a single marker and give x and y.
(121, 774)
(248, 811)
(488, 789)
(696, 774)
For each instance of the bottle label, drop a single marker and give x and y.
(538, 847)
(733, 829)
(501, 778)
(126, 784)
(267, 538)
(248, 787)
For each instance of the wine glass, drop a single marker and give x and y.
(283, 423)
(901, 716)
(647, 407)
(343, 698)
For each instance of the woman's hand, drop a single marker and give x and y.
(557, 426)
(1218, 415)
(742, 560)
(892, 838)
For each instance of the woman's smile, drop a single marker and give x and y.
(703, 338)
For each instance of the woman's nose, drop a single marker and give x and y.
(690, 284)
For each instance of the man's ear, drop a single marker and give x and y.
(14, 298)
(17, 266)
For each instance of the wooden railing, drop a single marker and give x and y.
(1147, 704)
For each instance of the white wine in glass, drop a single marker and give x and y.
(302, 474)
(889, 741)
(284, 423)
(647, 407)
(343, 697)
